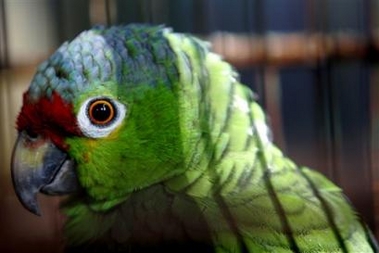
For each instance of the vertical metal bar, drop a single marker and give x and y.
(144, 6)
(371, 22)
(150, 11)
(312, 27)
(324, 89)
(246, 15)
(199, 22)
(374, 113)
(328, 116)
(4, 58)
(260, 30)
(372, 156)
(323, 80)
(108, 12)
(311, 18)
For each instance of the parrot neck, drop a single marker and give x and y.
(222, 126)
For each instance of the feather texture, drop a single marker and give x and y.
(192, 166)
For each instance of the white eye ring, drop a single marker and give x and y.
(99, 116)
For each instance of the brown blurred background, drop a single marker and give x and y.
(313, 63)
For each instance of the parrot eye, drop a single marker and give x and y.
(101, 112)
(99, 116)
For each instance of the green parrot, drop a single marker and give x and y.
(160, 148)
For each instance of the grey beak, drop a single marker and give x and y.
(39, 166)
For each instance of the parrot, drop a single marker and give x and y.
(157, 146)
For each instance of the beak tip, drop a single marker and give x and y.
(34, 209)
(29, 202)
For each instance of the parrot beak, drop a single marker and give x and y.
(39, 166)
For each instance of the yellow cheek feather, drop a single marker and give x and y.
(115, 133)
(92, 143)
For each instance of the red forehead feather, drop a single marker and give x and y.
(51, 117)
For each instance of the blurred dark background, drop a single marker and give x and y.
(313, 64)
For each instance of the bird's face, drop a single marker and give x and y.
(100, 118)
(105, 143)
(51, 130)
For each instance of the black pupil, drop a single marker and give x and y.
(101, 112)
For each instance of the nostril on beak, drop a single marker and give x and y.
(31, 134)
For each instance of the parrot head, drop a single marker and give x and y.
(100, 118)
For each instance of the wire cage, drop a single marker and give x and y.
(313, 65)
